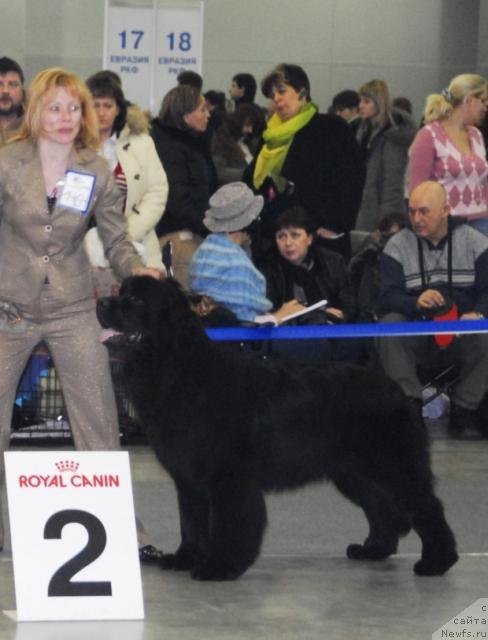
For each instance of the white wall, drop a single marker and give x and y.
(416, 45)
(43, 33)
(12, 29)
(483, 39)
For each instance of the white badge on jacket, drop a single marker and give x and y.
(77, 191)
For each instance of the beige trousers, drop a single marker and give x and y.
(71, 333)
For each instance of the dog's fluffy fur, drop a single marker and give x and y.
(229, 427)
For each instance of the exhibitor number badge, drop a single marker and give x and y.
(77, 191)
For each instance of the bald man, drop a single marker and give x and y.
(424, 270)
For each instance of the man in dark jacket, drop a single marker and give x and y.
(346, 105)
(424, 271)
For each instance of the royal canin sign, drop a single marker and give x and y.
(67, 475)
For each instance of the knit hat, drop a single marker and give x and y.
(232, 207)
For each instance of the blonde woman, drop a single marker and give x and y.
(51, 184)
(384, 136)
(450, 149)
(436, 108)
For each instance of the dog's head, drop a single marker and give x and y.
(148, 312)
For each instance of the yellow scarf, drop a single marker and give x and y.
(278, 138)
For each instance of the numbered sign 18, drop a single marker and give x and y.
(73, 534)
(178, 45)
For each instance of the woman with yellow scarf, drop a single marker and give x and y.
(306, 158)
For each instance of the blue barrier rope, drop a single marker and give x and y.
(372, 330)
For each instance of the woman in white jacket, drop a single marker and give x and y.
(134, 161)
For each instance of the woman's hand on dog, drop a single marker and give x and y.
(149, 271)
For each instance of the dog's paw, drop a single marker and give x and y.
(215, 570)
(370, 552)
(176, 562)
(355, 552)
(435, 567)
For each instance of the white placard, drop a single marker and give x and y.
(129, 50)
(178, 46)
(74, 541)
(149, 46)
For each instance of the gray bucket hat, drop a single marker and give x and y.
(232, 207)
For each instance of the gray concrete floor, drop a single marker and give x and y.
(303, 586)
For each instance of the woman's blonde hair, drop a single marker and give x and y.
(436, 108)
(379, 92)
(45, 83)
(439, 106)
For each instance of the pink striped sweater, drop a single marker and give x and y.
(433, 156)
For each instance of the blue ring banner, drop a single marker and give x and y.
(370, 330)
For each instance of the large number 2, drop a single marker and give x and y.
(60, 584)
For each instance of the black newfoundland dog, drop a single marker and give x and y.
(229, 427)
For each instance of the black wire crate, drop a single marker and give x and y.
(40, 415)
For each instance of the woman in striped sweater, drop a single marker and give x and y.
(450, 149)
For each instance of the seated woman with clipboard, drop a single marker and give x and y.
(316, 277)
(302, 271)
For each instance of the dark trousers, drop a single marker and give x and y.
(401, 355)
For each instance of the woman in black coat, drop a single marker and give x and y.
(178, 136)
(309, 159)
(177, 133)
(300, 270)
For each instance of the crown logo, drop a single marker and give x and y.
(67, 465)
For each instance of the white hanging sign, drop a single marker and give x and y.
(74, 542)
(178, 46)
(129, 50)
(148, 47)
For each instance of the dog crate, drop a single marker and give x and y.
(40, 415)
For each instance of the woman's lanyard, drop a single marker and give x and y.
(426, 282)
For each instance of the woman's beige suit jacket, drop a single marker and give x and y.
(38, 246)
